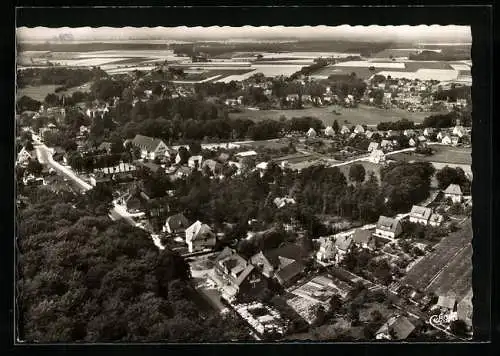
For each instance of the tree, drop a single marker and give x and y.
(357, 173)
(336, 126)
(29, 146)
(26, 103)
(52, 99)
(448, 175)
(183, 154)
(34, 167)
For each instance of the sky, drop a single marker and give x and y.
(423, 33)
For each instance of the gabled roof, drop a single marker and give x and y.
(436, 218)
(385, 143)
(246, 154)
(195, 158)
(177, 221)
(311, 131)
(343, 242)
(373, 146)
(359, 129)
(329, 131)
(387, 224)
(401, 326)
(198, 229)
(281, 256)
(290, 271)
(362, 236)
(453, 189)
(262, 165)
(146, 143)
(420, 212)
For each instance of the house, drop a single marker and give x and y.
(363, 238)
(195, 162)
(292, 97)
(446, 140)
(343, 244)
(421, 139)
(440, 135)
(373, 146)
(212, 165)
(454, 192)
(428, 131)
(352, 136)
(458, 131)
(409, 133)
(359, 129)
(345, 130)
(420, 214)
(327, 250)
(388, 228)
(377, 156)
(199, 236)
(311, 133)
(176, 224)
(386, 145)
(236, 276)
(150, 147)
(223, 157)
(412, 142)
(262, 166)
(455, 140)
(329, 131)
(369, 134)
(283, 263)
(436, 220)
(281, 202)
(397, 327)
(23, 157)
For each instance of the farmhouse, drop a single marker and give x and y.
(377, 156)
(388, 228)
(359, 129)
(412, 142)
(458, 131)
(409, 133)
(428, 131)
(345, 130)
(343, 245)
(369, 134)
(454, 193)
(150, 147)
(420, 214)
(397, 327)
(329, 131)
(199, 236)
(446, 140)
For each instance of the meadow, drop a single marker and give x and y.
(36, 92)
(363, 114)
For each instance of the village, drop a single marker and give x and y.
(351, 224)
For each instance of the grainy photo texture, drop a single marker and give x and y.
(227, 184)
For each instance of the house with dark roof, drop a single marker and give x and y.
(420, 214)
(176, 224)
(343, 244)
(454, 192)
(388, 228)
(237, 275)
(363, 238)
(327, 250)
(199, 236)
(396, 328)
(373, 146)
(283, 263)
(150, 147)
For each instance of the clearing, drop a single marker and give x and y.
(442, 154)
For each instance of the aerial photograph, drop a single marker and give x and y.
(243, 184)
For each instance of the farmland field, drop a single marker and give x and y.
(444, 263)
(442, 154)
(363, 114)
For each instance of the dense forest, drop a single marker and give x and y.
(84, 278)
(59, 76)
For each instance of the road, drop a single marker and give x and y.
(44, 156)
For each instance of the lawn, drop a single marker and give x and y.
(444, 262)
(363, 114)
(37, 92)
(442, 154)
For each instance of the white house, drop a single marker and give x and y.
(195, 161)
(329, 131)
(23, 156)
(440, 135)
(311, 133)
(420, 214)
(412, 142)
(377, 156)
(446, 140)
(436, 220)
(454, 192)
(428, 131)
(345, 130)
(386, 145)
(368, 134)
(359, 129)
(388, 228)
(199, 236)
(409, 132)
(458, 131)
(246, 154)
(150, 147)
(327, 250)
(343, 244)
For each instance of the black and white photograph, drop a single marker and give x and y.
(243, 184)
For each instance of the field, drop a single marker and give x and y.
(448, 261)
(442, 154)
(363, 114)
(37, 92)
